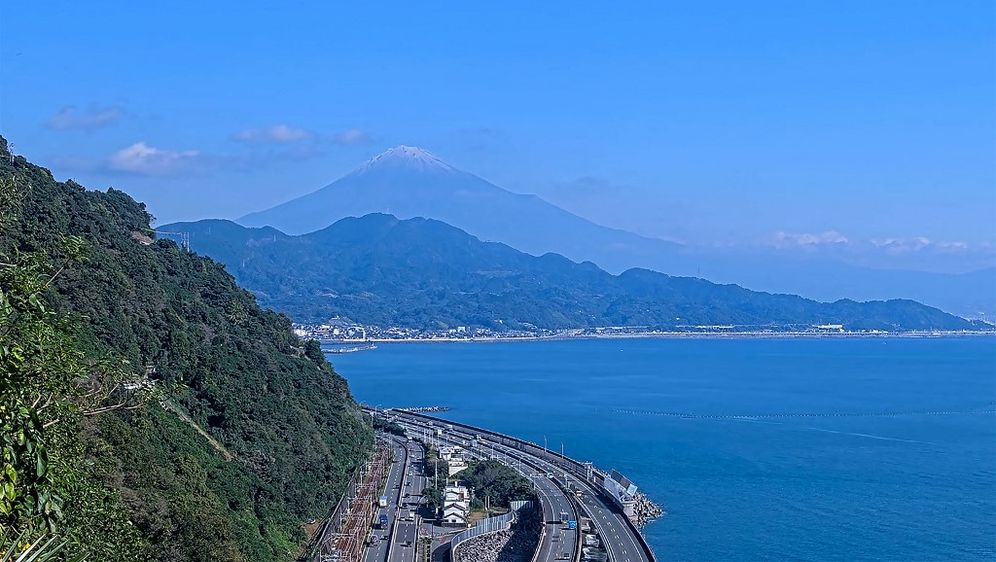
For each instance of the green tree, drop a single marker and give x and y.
(256, 435)
(47, 386)
(494, 480)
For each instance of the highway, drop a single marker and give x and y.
(383, 549)
(558, 542)
(620, 542)
(403, 545)
(616, 533)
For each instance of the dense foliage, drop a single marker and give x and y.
(435, 470)
(387, 426)
(491, 480)
(194, 419)
(378, 270)
(497, 483)
(50, 503)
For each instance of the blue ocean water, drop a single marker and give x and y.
(817, 449)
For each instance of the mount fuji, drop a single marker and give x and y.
(410, 182)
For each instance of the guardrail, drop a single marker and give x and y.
(542, 536)
(581, 511)
(494, 524)
(397, 503)
(563, 461)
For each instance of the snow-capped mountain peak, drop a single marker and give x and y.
(408, 157)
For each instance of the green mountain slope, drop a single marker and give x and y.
(379, 270)
(252, 433)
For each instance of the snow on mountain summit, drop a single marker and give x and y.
(407, 157)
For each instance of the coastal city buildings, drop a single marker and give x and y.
(336, 333)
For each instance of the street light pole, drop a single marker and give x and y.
(562, 459)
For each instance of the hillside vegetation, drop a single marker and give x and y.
(379, 270)
(177, 420)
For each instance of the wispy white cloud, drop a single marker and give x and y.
(277, 143)
(918, 244)
(281, 133)
(809, 240)
(898, 247)
(278, 133)
(901, 245)
(142, 159)
(94, 117)
(956, 246)
(350, 136)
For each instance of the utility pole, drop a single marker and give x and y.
(562, 460)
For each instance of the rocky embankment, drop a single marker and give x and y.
(646, 510)
(515, 545)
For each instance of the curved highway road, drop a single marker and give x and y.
(558, 543)
(611, 525)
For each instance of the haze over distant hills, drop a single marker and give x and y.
(409, 182)
(421, 273)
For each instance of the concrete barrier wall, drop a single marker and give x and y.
(490, 525)
(563, 461)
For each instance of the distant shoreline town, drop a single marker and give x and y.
(362, 336)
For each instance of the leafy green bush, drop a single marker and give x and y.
(494, 480)
(191, 423)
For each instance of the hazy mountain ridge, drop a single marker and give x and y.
(419, 272)
(409, 182)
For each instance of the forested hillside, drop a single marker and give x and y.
(420, 273)
(194, 425)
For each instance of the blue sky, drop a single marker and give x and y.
(864, 127)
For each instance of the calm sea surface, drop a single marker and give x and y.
(841, 449)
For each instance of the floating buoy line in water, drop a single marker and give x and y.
(986, 410)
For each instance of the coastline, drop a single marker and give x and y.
(670, 335)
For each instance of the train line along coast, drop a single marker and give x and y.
(416, 501)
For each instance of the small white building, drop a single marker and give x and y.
(456, 506)
(455, 458)
(456, 465)
(450, 452)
